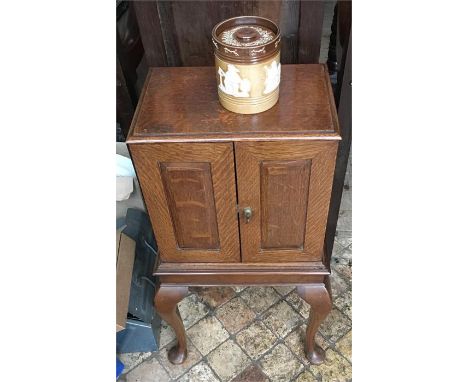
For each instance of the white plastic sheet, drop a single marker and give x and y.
(125, 173)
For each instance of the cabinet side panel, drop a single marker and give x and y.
(284, 189)
(189, 193)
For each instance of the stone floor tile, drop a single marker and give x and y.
(349, 172)
(306, 376)
(215, 296)
(343, 241)
(344, 346)
(228, 360)
(296, 341)
(283, 290)
(207, 334)
(192, 309)
(337, 248)
(349, 166)
(344, 222)
(256, 340)
(299, 304)
(260, 299)
(343, 234)
(281, 319)
(338, 285)
(348, 181)
(167, 334)
(131, 360)
(348, 234)
(343, 303)
(198, 373)
(252, 374)
(343, 267)
(280, 365)
(335, 325)
(235, 315)
(335, 368)
(346, 254)
(175, 371)
(148, 371)
(346, 200)
(239, 288)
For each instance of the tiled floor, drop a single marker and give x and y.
(256, 334)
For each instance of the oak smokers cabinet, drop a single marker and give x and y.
(237, 199)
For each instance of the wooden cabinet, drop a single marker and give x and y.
(237, 199)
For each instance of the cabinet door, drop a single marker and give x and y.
(190, 193)
(287, 185)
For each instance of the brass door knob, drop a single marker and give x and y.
(248, 214)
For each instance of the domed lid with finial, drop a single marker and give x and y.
(246, 39)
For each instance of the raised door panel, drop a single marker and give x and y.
(189, 193)
(287, 185)
(284, 186)
(189, 190)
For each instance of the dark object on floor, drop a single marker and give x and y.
(146, 252)
(143, 324)
(139, 336)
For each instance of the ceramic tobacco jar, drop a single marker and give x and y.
(247, 61)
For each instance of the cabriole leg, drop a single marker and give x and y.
(165, 302)
(319, 299)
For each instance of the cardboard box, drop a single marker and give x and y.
(125, 257)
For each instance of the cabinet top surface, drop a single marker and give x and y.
(181, 104)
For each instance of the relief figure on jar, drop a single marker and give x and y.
(230, 82)
(273, 76)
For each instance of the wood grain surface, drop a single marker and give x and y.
(310, 32)
(302, 267)
(284, 190)
(192, 198)
(181, 105)
(250, 157)
(150, 30)
(189, 193)
(178, 33)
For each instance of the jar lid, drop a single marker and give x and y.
(246, 39)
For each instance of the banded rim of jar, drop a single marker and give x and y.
(241, 53)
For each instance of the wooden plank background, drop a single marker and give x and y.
(178, 33)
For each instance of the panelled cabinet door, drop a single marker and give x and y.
(190, 193)
(287, 186)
